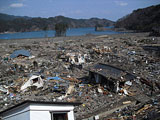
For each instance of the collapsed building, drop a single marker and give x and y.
(111, 77)
(152, 49)
(34, 80)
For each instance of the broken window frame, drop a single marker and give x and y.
(35, 80)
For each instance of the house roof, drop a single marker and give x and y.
(34, 77)
(28, 102)
(16, 53)
(151, 47)
(110, 71)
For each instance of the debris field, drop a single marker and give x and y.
(115, 77)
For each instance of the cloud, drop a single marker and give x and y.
(16, 5)
(121, 3)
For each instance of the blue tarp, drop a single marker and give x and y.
(16, 53)
(54, 78)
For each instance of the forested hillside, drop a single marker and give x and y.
(141, 20)
(20, 24)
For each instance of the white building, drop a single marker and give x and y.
(37, 110)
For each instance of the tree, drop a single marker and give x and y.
(97, 26)
(45, 30)
(61, 29)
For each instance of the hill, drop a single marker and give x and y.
(11, 17)
(141, 20)
(20, 24)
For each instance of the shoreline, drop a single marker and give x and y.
(7, 32)
(88, 34)
(69, 32)
(85, 37)
(46, 30)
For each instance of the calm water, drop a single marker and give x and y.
(51, 33)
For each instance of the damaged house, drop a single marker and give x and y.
(34, 80)
(110, 77)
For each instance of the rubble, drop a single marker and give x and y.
(34, 80)
(114, 76)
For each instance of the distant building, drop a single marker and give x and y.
(38, 110)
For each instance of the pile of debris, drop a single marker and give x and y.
(114, 77)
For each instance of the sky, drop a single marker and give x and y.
(108, 9)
